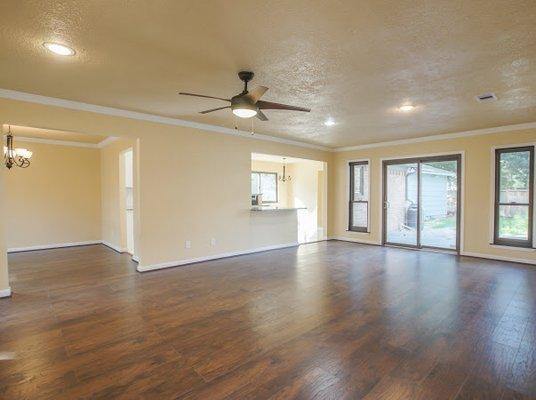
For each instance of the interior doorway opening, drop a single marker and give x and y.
(127, 199)
(290, 182)
(421, 202)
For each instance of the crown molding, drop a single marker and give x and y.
(107, 141)
(100, 145)
(444, 136)
(116, 112)
(56, 142)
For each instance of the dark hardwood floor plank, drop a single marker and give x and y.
(329, 320)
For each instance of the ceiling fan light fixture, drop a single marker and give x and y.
(243, 107)
(244, 112)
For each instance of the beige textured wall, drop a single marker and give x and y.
(193, 184)
(303, 191)
(268, 166)
(196, 186)
(477, 195)
(112, 228)
(185, 195)
(56, 200)
(4, 278)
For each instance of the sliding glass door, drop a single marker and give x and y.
(421, 202)
(401, 203)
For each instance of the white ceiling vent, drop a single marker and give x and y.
(486, 97)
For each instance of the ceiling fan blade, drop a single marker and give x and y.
(261, 116)
(267, 105)
(257, 93)
(202, 95)
(214, 109)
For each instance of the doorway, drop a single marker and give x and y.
(421, 202)
(128, 199)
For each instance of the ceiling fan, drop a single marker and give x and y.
(247, 103)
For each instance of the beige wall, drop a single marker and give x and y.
(56, 200)
(477, 196)
(4, 278)
(112, 197)
(268, 166)
(304, 191)
(183, 193)
(186, 195)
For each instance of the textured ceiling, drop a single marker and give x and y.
(52, 134)
(354, 61)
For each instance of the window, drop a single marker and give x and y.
(513, 196)
(264, 183)
(359, 196)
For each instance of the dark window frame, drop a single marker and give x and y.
(352, 200)
(276, 185)
(497, 203)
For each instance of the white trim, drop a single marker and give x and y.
(113, 247)
(100, 145)
(444, 136)
(498, 258)
(55, 142)
(5, 292)
(355, 240)
(512, 248)
(106, 142)
(177, 263)
(462, 253)
(116, 112)
(136, 259)
(52, 246)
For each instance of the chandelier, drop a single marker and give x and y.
(18, 157)
(284, 178)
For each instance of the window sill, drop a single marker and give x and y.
(350, 230)
(515, 248)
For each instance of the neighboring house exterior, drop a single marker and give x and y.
(437, 201)
(435, 188)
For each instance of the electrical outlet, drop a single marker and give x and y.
(213, 242)
(187, 244)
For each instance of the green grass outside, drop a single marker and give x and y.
(440, 223)
(515, 226)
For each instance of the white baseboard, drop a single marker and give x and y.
(143, 268)
(498, 258)
(52, 246)
(354, 240)
(462, 253)
(5, 292)
(113, 247)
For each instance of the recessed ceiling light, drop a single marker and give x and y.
(406, 108)
(329, 122)
(59, 49)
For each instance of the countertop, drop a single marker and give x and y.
(270, 208)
